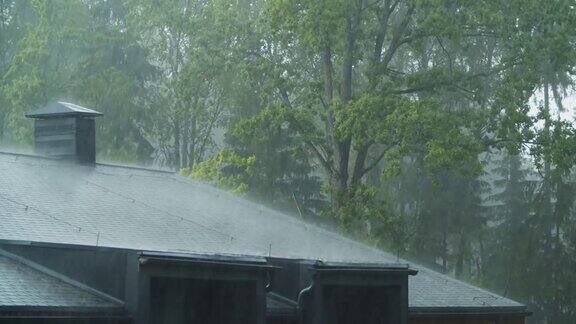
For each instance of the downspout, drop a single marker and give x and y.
(268, 286)
(306, 292)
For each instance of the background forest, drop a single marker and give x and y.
(440, 130)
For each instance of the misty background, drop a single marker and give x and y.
(439, 130)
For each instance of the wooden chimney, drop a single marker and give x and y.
(66, 131)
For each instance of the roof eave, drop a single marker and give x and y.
(60, 115)
(11, 310)
(469, 311)
(351, 267)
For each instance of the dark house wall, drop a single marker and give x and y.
(281, 321)
(480, 319)
(350, 298)
(179, 300)
(172, 290)
(361, 304)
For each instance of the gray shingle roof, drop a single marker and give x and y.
(52, 201)
(24, 286)
(61, 108)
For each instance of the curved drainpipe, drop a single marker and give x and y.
(268, 286)
(304, 292)
(300, 307)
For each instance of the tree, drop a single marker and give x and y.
(359, 75)
(111, 76)
(36, 57)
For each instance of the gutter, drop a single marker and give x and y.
(454, 311)
(27, 311)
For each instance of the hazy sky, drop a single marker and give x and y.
(569, 103)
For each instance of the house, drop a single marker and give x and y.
(84, 242)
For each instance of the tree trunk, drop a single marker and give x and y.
(459, 266)
(547, 170)
(176, 163)
(340, 186)
(186, 139)
(335, 182)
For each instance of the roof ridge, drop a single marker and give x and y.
(58, 276)
(134, 167)
(104, 164)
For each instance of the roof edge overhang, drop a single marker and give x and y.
(364, 268)
(59, 311)
(228, 259)
(60, 109)
(185, 254)
(210, 260)
(487, 311)
(61, 115)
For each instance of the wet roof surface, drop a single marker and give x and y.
(44, 200)
(61, 108)
(22, 285)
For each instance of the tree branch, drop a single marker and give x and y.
(318, 152)
(382, 28)
(375, 162)
(396, 37)
(557, 98)
(359, 163)
(453, 82)
(445, 52)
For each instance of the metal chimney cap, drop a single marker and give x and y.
(62, 109)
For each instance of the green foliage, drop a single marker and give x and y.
(225, 169)
(442, 137)
(314, 22)
(23, 80)
(110, 77)
(366, 216)
(558, 148)
(282, 171)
